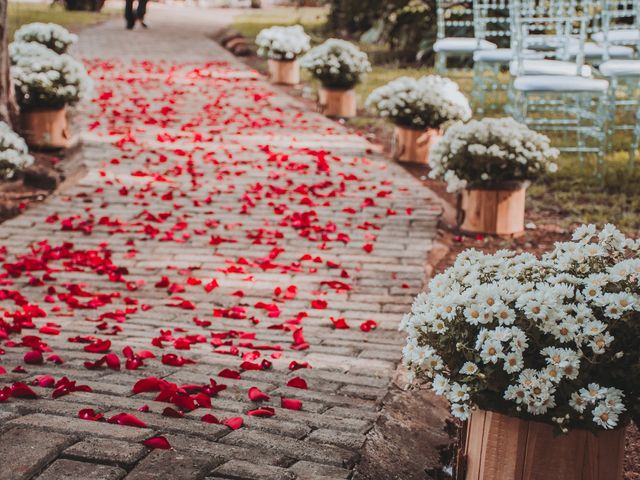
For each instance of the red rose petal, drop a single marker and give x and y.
(255, 395)
(99, 346)
(46, 381)
(34, 357)
(21, 390)
(171, 412)
(339, 323)
(233, 423)
(159, 442)
(208, 418)
(150, 384)
(319, 304)
(294, 365)
(113, 362)
(228, 373)
(368, 325)
(262, 412)
(297, 382)
(90, 414)
(128, 420)
(291, 404)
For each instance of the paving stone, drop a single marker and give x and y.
(316, 471)
(24, 451)
(76, 426)
(107, 451)
(223, 452)
(240, 470)
(301, 450)
(170, 465)
(349, 441)
(73, 470)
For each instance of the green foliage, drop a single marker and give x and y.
(349, 17)
(22, 13)
(406, 27)
(411, 30)
(311, 18)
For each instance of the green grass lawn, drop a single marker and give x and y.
(21, 13)
(573, 195)
(250, 23)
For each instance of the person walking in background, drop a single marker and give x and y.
(139, 14)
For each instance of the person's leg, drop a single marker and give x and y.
(128, 14)
(141, 11)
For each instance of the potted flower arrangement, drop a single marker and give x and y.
(418, 108)
(281, 46)
(339, 65)
(540, 355)
(45, 83)
(490, 162)
(51, 35)
(14, 154)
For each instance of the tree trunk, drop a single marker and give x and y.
(8, 107)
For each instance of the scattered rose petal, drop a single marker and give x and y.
(255, 395)
(159, 442)
(297, 382)
(90, 414)
(233, 423)
(262, 412)
(34, 357)
(368, 325)
(291, 404)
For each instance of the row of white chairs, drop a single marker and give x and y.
(572, 64)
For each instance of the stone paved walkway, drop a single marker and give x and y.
(219, 229)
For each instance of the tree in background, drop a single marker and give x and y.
(407, 26)
(8, 108)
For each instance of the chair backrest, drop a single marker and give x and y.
(556, 26)
(616, 15)
(492, 20)
(454, 19)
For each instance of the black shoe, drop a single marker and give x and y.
(144, 25)
(130, 25)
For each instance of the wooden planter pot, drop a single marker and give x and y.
(284, 72)
(412, 145)
(498, 447)
(45, 128)
(497, 211)
(337, 103)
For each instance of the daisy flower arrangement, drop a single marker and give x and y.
(45, 79)
(14, 154)
(423, 103)
(19, 50)
(282, 43)
(51, 35)
(336, 63)
(490, 152)
(554, 338)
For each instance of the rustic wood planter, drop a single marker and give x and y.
(496, 212)
(45, 128)
(337, 103)
(284, 72)
(498, 447)
(412, 145)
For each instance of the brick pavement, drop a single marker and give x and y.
(198, 169)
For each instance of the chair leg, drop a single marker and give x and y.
(601, 130)
(479, 86)
(441, 63)
(635, 140)
(611, 112)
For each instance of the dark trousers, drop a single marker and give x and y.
(139, 14)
